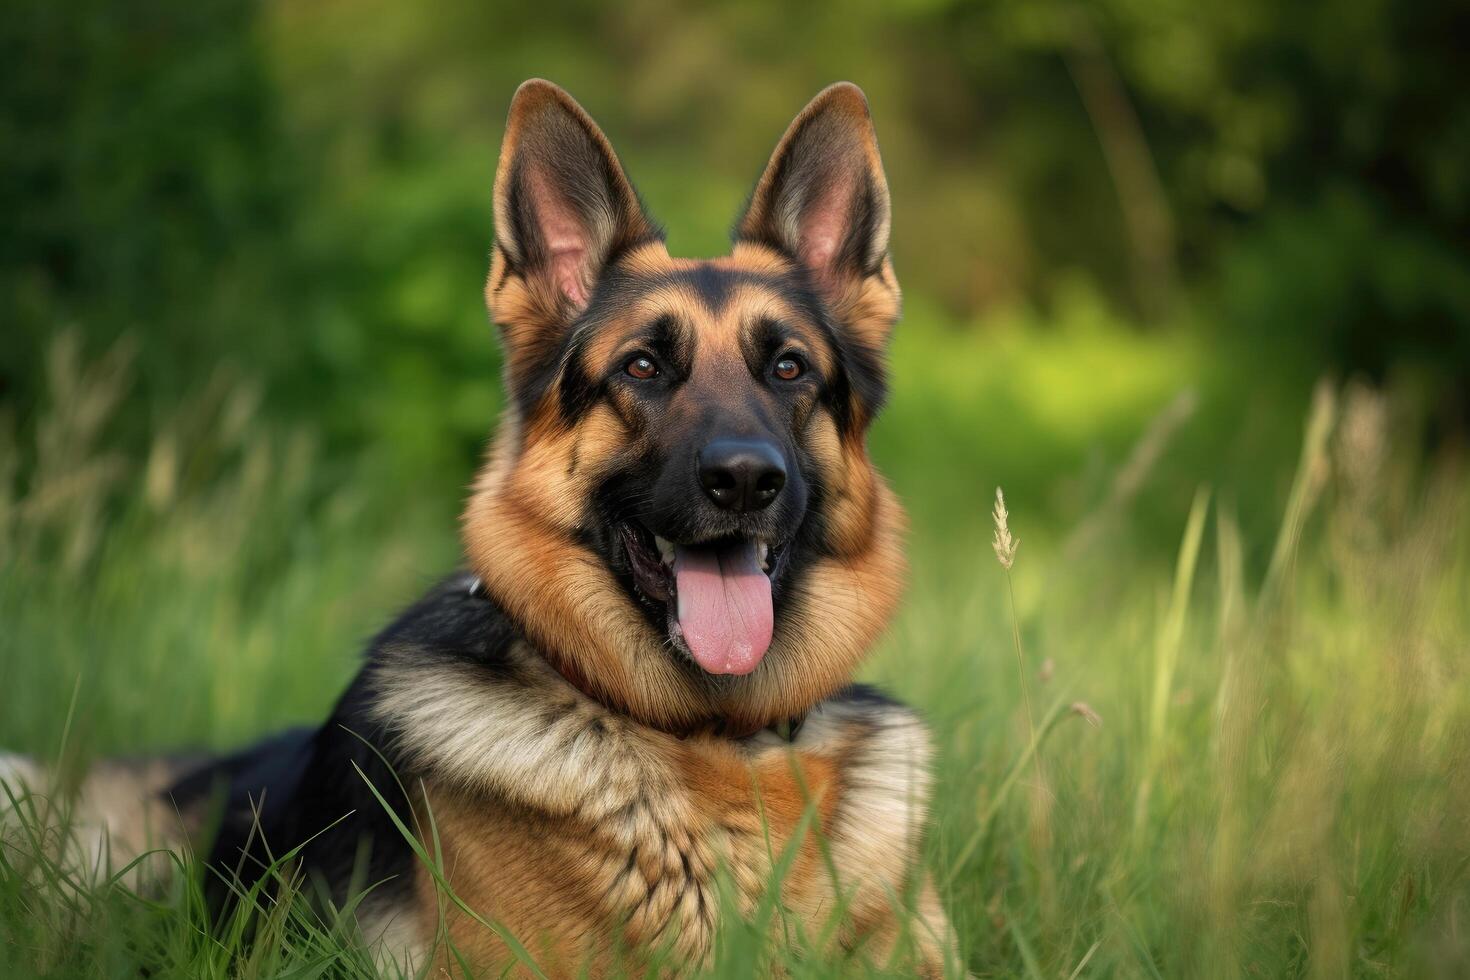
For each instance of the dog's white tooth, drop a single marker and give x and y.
(761, 551)
(665, 549)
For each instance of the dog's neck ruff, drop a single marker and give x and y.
(721, 727)
(563, 600)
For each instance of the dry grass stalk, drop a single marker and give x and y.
(1134, 472)
(1005, 545)
(1087, 713)
(1312, 473)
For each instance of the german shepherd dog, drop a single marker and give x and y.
(678, 553)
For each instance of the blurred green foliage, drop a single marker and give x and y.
(299, 192)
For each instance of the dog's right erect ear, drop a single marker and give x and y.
(563, 209)
(823, 201)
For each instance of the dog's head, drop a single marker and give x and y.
(679, 509)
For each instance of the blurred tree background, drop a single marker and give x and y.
(298, 194)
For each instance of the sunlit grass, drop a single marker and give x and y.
(1249, 752)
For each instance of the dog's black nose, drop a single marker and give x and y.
(741, 474)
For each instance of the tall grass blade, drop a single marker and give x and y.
(1166, 650)
(982, 829)
(1311, 473)
(1028, 955)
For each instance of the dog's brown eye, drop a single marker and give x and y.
(641, 368)
(788, 369)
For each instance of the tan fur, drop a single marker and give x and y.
(116, 815)
(585, 833)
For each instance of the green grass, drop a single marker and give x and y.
(1263, 600)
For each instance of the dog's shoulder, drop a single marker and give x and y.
(455, 622)
(861, 714)
(884, 746)
(330, 788)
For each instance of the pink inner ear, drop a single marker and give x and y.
(823, 225)
(566, 240)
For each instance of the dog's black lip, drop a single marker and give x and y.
(651, 577)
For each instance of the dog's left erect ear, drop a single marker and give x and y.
(823, 201)
(563, 210)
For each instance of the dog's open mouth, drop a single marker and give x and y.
(717, 594)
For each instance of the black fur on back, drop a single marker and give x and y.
(309, 787)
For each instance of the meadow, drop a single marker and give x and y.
(1211, 722)
(1190, 283)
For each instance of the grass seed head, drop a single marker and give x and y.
(1086, 712)
(1005, 545)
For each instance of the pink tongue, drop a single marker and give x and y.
(724, 606)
